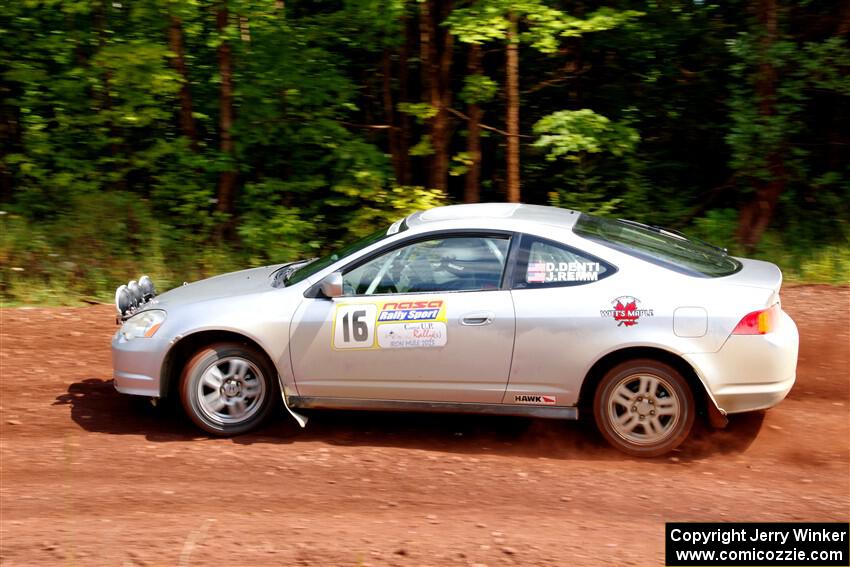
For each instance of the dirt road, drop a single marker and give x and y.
(90, 477)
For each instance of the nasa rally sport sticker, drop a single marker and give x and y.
(411, 323)
(535, 399)
(625, 311)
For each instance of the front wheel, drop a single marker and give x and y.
(228, 388)
(644, 408)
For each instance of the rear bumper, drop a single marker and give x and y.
(751, 372)
(737, 398)
(137, 365)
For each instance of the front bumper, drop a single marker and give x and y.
(751, 372)
(137, 365)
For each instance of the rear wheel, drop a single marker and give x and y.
(644, 408)
(228, 388)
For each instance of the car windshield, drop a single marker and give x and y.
(306, 270)
(666, 248)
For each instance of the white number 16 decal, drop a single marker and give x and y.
(354, 326)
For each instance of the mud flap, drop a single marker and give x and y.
(301, 419)
(716, 416)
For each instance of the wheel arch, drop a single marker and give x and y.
(705, 403)
(187, 345)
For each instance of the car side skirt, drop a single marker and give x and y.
(544, 412)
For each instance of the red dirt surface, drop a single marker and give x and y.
(90, 477)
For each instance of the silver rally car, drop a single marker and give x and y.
(490, 308)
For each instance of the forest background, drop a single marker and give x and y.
(183, 138)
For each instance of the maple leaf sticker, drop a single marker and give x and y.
(626, 314)
(625, 311)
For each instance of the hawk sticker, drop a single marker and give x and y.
(625, 311)
(536, 399)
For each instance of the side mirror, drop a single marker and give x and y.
(331, 285)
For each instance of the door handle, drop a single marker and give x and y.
(477, 319)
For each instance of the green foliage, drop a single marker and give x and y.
(478, 89)
(460, 164)
(481, 22)
(102, 240)
(139, 84)
(270, 230)
(422, 111)
(770, 134)
(591, 199)
(603, 19)
(653, 111)
(488, 20)
(403, 201)
(547, 27)
(422, 148)
(592, 147)
(567, 133)
(801, 258)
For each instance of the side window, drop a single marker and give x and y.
(466, 263)
(544, 263)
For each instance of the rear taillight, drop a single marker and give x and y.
(758, 322)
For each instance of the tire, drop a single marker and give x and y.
(228, 388)
(644, 408)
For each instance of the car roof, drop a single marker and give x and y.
(498, 213)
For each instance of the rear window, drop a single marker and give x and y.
(658, 246)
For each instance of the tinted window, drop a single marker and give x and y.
(544, 263)
(441, 264)
(653, 244)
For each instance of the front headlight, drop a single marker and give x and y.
(144, 324)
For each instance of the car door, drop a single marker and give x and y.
(558, 291)
(428, 320)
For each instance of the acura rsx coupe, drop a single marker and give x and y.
(489, 308)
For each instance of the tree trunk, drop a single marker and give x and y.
(406, 176)
(756, 215)
(389, 115)
(512, 88)
(425, 45)
(106, 97)
(227, 179)
(844, 21)
(175, 44)
(437, 44)
(472, 191)
(10, 131)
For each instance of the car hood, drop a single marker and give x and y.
(254, 280)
